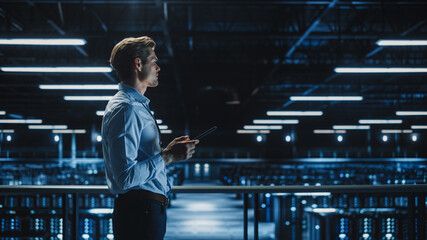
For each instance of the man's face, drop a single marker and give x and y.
(150, 70)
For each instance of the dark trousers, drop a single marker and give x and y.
(138, 218)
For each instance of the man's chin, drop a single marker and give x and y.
(154, 83)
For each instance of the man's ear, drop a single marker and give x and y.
(137, 64)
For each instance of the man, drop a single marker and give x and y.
(135, 164)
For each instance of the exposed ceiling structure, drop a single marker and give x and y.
(227, 63)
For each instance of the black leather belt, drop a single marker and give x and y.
(144, 194)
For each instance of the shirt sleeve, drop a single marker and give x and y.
(124, 134)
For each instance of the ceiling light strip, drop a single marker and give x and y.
(21, 121)
(419, 126)
(58, 69)
(396, 131)
(2, 112)
(262, 127)
(328, 131)
(79, 87)
(275, 121)
(241, 131)
(43, 41)
(50, 127)
(411, 113)
(380, 121)
(326, 98)
(294, 113)
(87, 98)
(351, 127)
(396, 42)
(7, 131)
(379, 70)
(70, 131)
(166, 131)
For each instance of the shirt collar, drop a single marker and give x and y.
(132, 92)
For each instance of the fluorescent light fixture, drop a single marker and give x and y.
(87, 98)
(159, 121)
(166, 131)
(100, 211)
(43, 41)
(275, 121)
(379, 70)
(325, 210)
(47, 126)
(384, 42)
(294, 113)
(78, 86)
(328, 131)
(58, 69)
(163, 127)
(70, 131)
(351, 127)
(419, 126)
(380, 121)
(2, 112)
(21, 121)
(252, 131)
(100, 113)
(411, 113)
(313, 194)
(263, 127)
(7, 131)
(396, 131)
(326, 98)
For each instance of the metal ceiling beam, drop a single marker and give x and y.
(61, 15)
(292, 49)
(12, 20)
(310, 29)
(55, 26)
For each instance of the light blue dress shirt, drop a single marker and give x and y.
(131, 145)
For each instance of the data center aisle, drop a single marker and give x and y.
(210, 216)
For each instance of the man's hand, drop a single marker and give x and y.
(179, 149)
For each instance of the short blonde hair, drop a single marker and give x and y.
(124, 53)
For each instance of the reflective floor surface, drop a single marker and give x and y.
(210, 216)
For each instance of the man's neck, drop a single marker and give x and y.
(139, 86)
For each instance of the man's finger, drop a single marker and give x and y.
(192, 141)
(182, 138)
